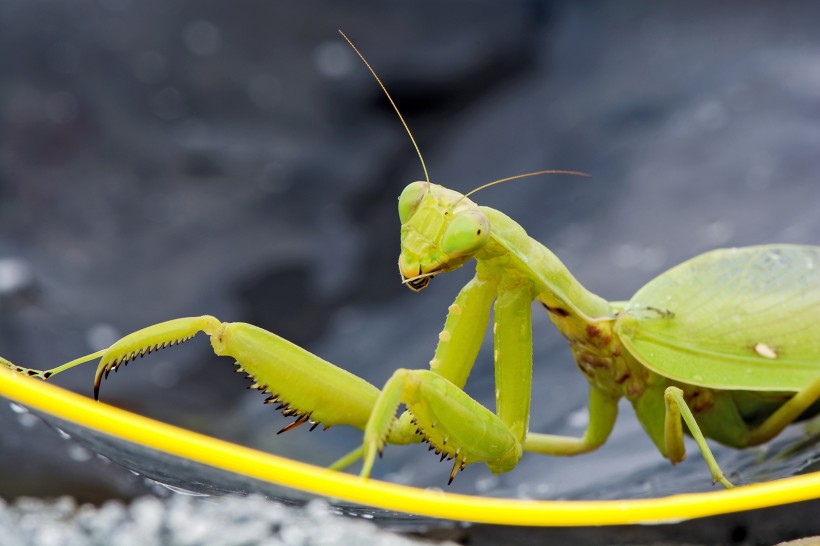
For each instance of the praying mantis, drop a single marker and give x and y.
(720, 346)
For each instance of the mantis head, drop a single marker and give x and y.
(441, 229)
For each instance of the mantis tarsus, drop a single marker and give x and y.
(722, 343)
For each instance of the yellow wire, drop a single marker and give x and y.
(336, 485)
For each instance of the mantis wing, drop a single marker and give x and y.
(741, 318)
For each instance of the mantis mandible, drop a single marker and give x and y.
(724, 344)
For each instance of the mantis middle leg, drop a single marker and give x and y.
(603, 409)
(676, 409)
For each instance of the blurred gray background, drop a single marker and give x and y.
(160, 160)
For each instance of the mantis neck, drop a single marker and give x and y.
(511, 251)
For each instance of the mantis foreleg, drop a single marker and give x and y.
(304, 385)
(460, 427)
(456, 425)
(19, 369)
(45, 374)
(460, 340)
(512, 335)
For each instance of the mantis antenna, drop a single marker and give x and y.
(518, 176)
(416, 146)
(396, 108)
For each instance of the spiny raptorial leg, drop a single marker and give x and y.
(284, 407)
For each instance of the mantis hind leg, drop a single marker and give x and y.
(785, 414)
(676, 409)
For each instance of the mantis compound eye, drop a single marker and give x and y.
(467, 233)
(410, 198)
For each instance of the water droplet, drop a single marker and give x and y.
(17, 408)
(718, 233)
(711, 115)
(486, 484)
(635, 255)
(522, 491)
(27, 420)
(652, 258)
(182, 490)
(775, 256)
(333, 59)
(760, 172)
(101, 335)
(543, 488)
(15, 275)
(202, 37)
(578, 418)
(79, 453)
(103, 458)
(626, 255)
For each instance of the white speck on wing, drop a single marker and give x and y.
(765, 351)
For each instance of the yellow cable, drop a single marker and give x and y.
(183, 443)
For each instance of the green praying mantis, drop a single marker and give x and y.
(723, 346)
